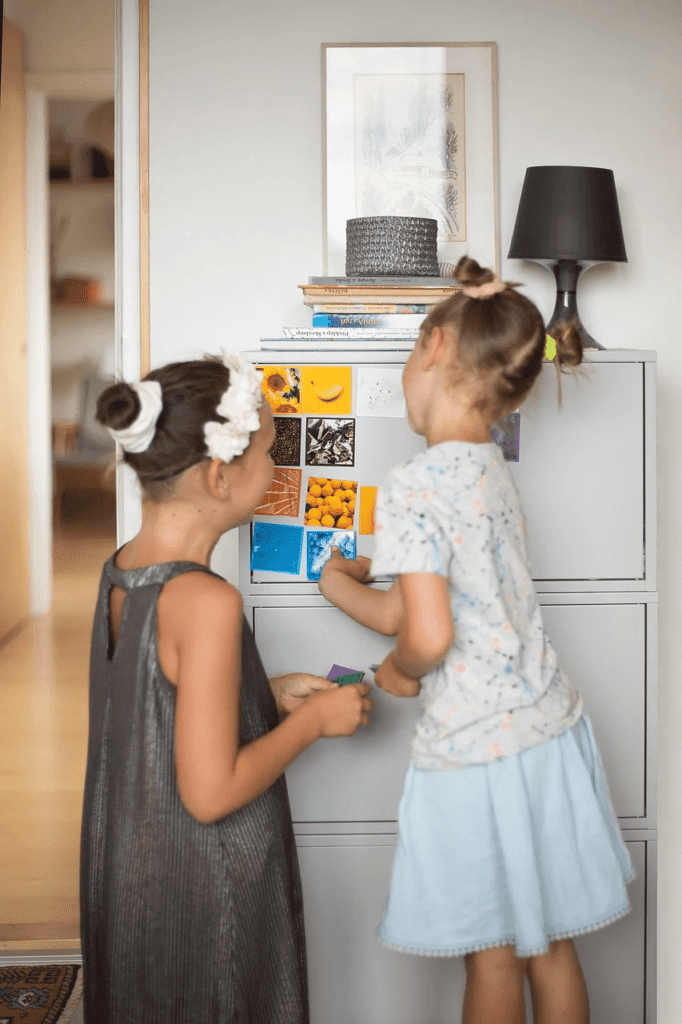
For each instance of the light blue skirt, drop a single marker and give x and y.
(520, 852)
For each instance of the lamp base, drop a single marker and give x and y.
(567, 273)
(567, 310)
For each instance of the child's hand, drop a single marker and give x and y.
(292, 690)
(357, 568)
(390, 679)
(341, 711)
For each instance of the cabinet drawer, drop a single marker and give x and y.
(585, 474)
(360, 778)
(581, 474)
(354, 979)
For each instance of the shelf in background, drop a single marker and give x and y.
(80, 182)
(82, 305)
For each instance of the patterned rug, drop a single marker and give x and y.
(41, 994)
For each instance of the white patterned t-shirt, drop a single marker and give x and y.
(454, 510)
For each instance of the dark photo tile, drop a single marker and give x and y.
(286, 451)
(329, 442)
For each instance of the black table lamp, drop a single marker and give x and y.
(568, 220)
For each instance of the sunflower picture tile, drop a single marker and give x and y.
(326, 390)
(282, 387)
(284, 496)
(330, 502)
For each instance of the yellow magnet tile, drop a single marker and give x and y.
(282, 387)
(326, 390)
(550, 348)
(368, 497)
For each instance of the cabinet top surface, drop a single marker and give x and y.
(321, 351)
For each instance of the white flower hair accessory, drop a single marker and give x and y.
(139, 435)
(239, 405)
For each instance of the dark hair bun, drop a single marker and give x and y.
(118, 406)
(469, 273)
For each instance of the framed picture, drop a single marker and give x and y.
(410, 130)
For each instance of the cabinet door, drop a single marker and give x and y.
(601, 648)
(349, 778)
(360, 777)
(355, 980)
(580, 474)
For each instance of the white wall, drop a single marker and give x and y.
(236, 213)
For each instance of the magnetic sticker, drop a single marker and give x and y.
(507, 433)
(329, 442)
(276, 548)
(380, 391)
(344, 676)
(326, 390)
(319, 544)
(368, 497)
(330, 502)
(286, 451)
(284, 495)
(282, 387)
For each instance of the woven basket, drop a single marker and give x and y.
(391, 247)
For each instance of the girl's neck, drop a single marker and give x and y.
(448, 421)
(171, 532)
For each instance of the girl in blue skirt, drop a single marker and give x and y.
(508, 842)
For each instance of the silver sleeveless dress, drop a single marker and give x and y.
(181, 922)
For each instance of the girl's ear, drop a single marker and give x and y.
(218, 478)
(435, 349)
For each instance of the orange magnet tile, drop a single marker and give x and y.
(330, 502)
(284, 496)
(368, 497)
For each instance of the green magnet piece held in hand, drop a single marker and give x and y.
(355, 677)
(343, 676)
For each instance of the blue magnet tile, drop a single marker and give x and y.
(319, 548)
(276, 548)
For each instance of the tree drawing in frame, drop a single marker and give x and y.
(409, 149)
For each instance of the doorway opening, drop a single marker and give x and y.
(82, 342)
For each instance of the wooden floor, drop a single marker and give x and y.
(43, 738)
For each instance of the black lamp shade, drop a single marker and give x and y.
(568, 213)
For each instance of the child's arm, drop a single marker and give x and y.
(425, 636)
(215, 775)
(343, 583)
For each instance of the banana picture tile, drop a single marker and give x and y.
(326, 390)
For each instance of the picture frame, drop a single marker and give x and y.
(410, 129)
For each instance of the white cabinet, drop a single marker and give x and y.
(586, 475)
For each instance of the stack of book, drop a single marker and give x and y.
(391, 308)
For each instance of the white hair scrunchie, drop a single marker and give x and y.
(239, 405)
(139, 435)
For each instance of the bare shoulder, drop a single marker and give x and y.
(195, 610)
